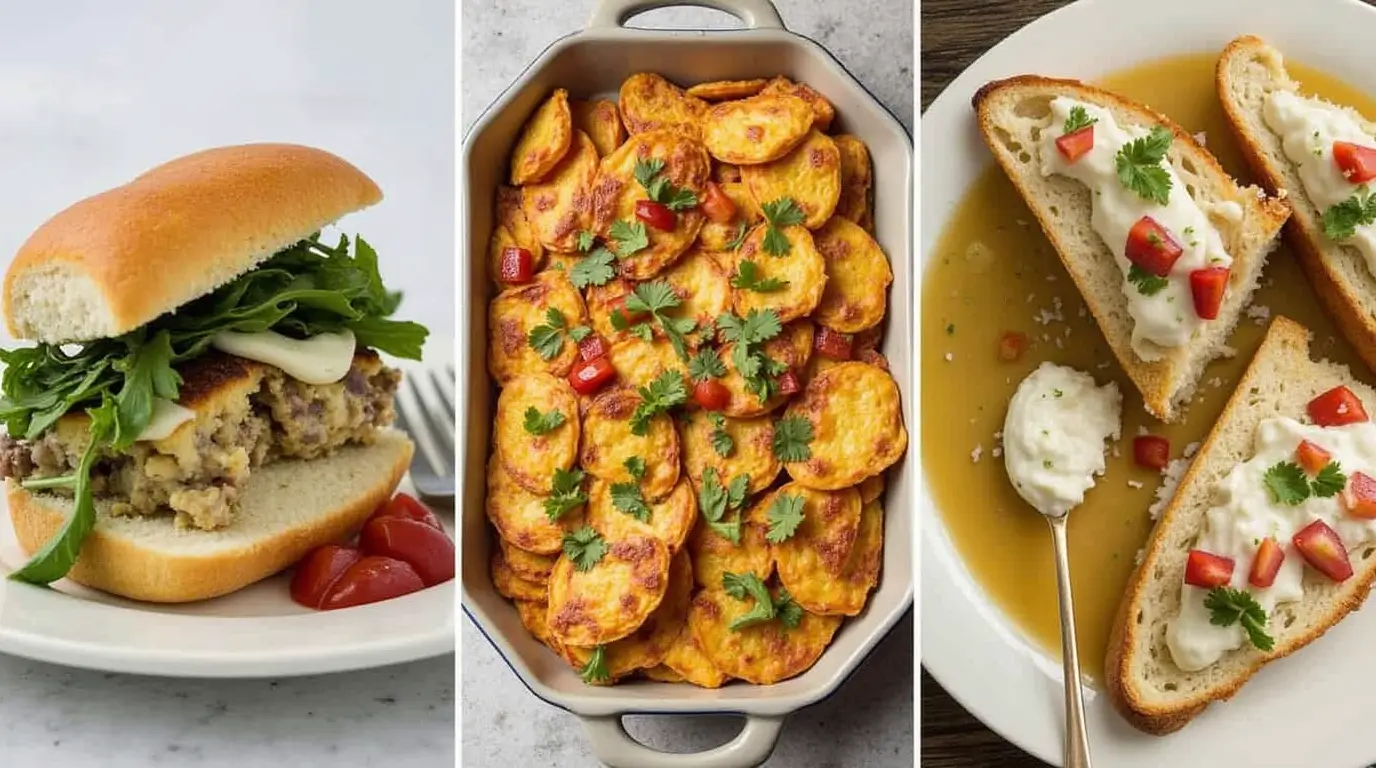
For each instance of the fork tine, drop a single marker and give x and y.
(438, 414)
(444, 387)
(413, 416)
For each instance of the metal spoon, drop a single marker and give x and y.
(1076, 737)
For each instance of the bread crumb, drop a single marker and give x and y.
(1083, 310)
(997, 452)
(1190, 450)
(1227, 351)
(1050, 278)
(1030, 297)
(1116, 453)
(1170, 480)
(1142, 430)
(1203, 138)
(1259, 313)
(1134, 483)
(1060, 343)
(1140, 556)
(1281, 193)
(1102, 366)
(950, 357)
(1046, 337)
(1021, 222)
(976, 453)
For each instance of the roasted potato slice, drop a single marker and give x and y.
(535, 618)
(649, 644)
(858, 277)
(599, 119)
(608, 442)
(856, 178)
(662, 673)
(871, 488)
(763, 653)
(750, 452)
(527, 565)
(809, 175)
(823, 112)
(756, 130)
(713, 554)
(725, 90)
(559, 206)
(649, 103)
(521, 309)
(638, 362)
(821, 545)
(508, 584)
(844, 593)
(544, 140)
(701, 285)
(725, 172)
(519, 515)
(669, 519)
(531, 457)
(800, 274)
(612, 598)
(687, 660)
(857, 426)
(722, 237)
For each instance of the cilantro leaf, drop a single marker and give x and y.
(656, 298)
(548, 339)
(1330, 481)
(629, 237)
(1231, 606)
(586, 240)
(1287, 483)
(747, 278)
(742, 230)
(1147, 283)
(1078, 119)
(747, 356)
(566, 493)
(748, 585)
(785, 515)
(594, 269)
(579, 332)
(779, 214)
(756, 327)
(537, 423)
(791, 437)
(585, 547)
(787, 610)
(647, 169)
(706, 364)
(714, 501)
(595, 670)
(1341, 221)
(722, 443)
(657, 187)
(626, 497)
(664, 392)
(1140, 169)
(636, 466)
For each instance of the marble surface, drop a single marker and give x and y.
(869, 721)
(97, 92)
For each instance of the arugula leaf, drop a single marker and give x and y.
(537, 423)
(586, 240)
(1341, 221)
(664, 392)
(747, 278)
(791, 437)
(742, 230)
(1287, 483)
(706, 364)
(714, 501)
(656, 298)
(1330, 481)
(722, 443)
(1147, 283)
(148, 373)
(629, 237)
(1139, 165)
(1230, 606)
(1078, 119)
(777, 215)
(594, 269)
(566, 493)
(784, 515)
(585, 547)
(548, 339)
(626, 497)
(595, 671)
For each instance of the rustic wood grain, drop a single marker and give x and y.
(954, 34)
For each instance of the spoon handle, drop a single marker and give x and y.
(1076, 737)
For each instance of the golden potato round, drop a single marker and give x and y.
(723, 173)
(511, 213)
(519, 515)
(871, 488)
(864, 348)
(661, 673)
(508, 584)
(519, 310)
(600, 300)
(501, 240)
(756, 130)
(649, 103)
(751, 451)
(687, 660)
(531, 460)
(527, 565)
(857, 425)
(714, 554)
(720, 237)
(650, 642)
(802, 270)
(535, 618)
(562, 262)
(822, 111)
(670, 519)
(856, 178)
(544, 140)
(724, 90)
(810, 175)
(616, 191)
(845, 593)
(821, 546)
(611, 599)
(792, 347)
(559, 206)
(639, 362)
(763, 653)
(701, 285)
(599, 119)
(858, 277)
(607, 442)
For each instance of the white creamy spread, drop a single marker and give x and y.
(1245, 513)
(1053, 435)
(1166, 318)
(321, 359)
(167, 416)
(1307, 129)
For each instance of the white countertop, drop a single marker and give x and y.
(94, 93)
(869, 721)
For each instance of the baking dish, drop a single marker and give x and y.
(594, 62)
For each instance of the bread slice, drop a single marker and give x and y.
(1248, 71)
(1011, 116)
(287, 509)
(1142, 681)
(115, 261)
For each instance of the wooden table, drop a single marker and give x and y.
(954, 34)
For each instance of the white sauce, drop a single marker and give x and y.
(1308, 128)
(1053, 436)
(322, 359)
(1167, 318)
(167, 416)
(1245, 514)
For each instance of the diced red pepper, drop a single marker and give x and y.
(656, 215)
(588, 377)
(711, 395)
(832, 344)
(788, 383)
(1208, 286)
(1266, 564)
(1151, 451)
(1336, 407)
(592, 347)
(1359, 497)
(1075, 144)
(1357, 163)
(517, 266)
(1324, 550)
(717, 205)
(1311, 457)
(1011, 346)
(1207, 570)
(1152, 247)
(618, 305)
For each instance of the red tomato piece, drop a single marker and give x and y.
(429, 552)
(656, 215)
(592, 347)
(788, 383)
(318, 571)
(1324, 550)
(717, 206)
(516, 266)
(1336, 407)
(1357, 163)
(1152, 247)
(1208, 286)
(1011, 346)
(371, 580)
(406, 507)
(711, 395)
(1151, 451)
(1075, 144)
(589, 377)
(618, 305)
(1207, 570)
(1311, 457)
(1359, 497)
(832, 344)
(1266, 564)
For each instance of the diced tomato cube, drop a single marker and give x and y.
(592, 347)
(1357, 163)
(588, 377)
(1207, 570)
(1266, 564)
(788, 383)
(1151, 451)
(1011, 346)
(832, 344)
(657, 215)
(1208, 286)
(1323, 550)
(1075, 144)
(1359, 497)
(517, 266)
(1152, 247)
(711, 395)
(717, 206)
(1336, 407)
(1311, 457)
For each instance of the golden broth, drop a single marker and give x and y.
(993, 271)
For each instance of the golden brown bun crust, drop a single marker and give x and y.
(173, 234)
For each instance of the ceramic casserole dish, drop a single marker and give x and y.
(594, 62)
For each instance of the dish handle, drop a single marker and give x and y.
(755, 14)
(618, 749)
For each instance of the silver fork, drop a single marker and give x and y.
(425, 411)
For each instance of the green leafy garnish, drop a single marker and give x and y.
(1287, 483)
(658, 188)
(656, 299)
(722, 443)
(787, 610)
(594, 269)
(747, 278)
(1147, 283)
(716, 500)
(579, 332)
(1341, 221)
(785, 515)
(664, 392)
(741, 231)
(1139, 165)
(595, 671)
(791, 437)
(1078, 119)
(748, 334)
(585, 547)
(1230, 606)
(767, 608)
(626, 497)
(547, 339)
(539, 423)
(566, 493)
(777, 215)
(636, 466)
(706, 364)
(629, 237)
(586, 240)
(1330, 481)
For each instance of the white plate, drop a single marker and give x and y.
(255, 632)
(1308, 710)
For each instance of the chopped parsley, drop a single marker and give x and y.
(1341, 221)
(595, 671)
(537, 423)
(785, 515)
(666, 391)
(657, 186)
(629, 237)
(767, 608)
(747, 278)
(1078, 119)
(1231, 606)
(585, 547)
(715, 500)
(1147, 283)
(1140, 169)
(791, 437)
(779, 214)
(566, 493)
(721, 441)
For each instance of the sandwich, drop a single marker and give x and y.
(205, 400)
(1164, 246)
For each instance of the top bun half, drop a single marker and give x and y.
(116, 261)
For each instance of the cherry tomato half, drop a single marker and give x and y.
(318, 571)
(428, 551)
(406, 507)
(371, 580)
